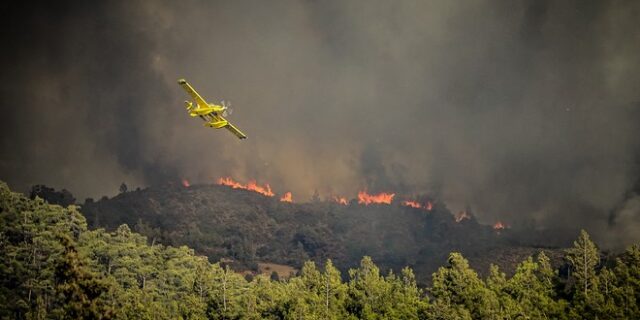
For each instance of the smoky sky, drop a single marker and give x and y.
(524, 111)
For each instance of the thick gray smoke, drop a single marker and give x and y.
(527, 111)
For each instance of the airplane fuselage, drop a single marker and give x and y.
(210, 114)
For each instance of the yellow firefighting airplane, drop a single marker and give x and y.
(209, 112)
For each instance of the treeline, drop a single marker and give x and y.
(51, 266)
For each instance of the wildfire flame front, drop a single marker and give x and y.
(251, 186)
(380, 198)
(286, 197)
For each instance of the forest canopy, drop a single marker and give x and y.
(53, 266)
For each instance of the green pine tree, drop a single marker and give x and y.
(583, 258)
(459, 285)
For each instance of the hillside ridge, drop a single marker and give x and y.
(246, 227)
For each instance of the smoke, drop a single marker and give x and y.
(526, 111)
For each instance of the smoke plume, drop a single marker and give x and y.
(526, 111)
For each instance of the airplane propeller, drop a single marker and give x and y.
(227, 109)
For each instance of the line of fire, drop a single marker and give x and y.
(363, 198)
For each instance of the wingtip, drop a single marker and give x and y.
(182, 81)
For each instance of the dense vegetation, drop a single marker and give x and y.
(249, 228)
(52, 266)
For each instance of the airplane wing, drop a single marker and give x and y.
(229, 126)
(192, 92)
(235, 131)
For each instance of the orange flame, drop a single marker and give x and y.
(185, 183)
(251, 186)
(229, 182)
(500, 226)
(266, 190)
(412, 204)
(429, 206)
(462, 215)
(286, 197)
(366, 199)
(340, 200)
